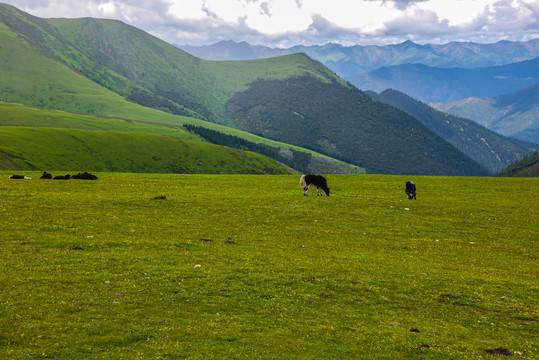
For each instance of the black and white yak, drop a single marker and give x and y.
(314, 180)
(410, 190)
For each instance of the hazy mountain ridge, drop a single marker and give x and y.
(348, 61)
(430, 84)
(515, 114)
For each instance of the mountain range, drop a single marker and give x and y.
(109, 79)
(459, 77)
(433, 84)
(349, 61)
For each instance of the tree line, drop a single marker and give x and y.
(297, 160)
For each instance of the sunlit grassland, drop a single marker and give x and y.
(21, 115)
(247, 267)
(45, 148)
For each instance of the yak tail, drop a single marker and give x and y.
(302, 181)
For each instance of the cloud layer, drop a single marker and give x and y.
(293, 22)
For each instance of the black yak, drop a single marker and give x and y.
(315, 180)
(410, 190)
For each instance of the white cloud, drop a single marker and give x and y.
(192, 9)
(309, 21)
(107, 9)
(457, 12)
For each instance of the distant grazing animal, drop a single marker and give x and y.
(410, 190)
(19, 177)
(314, 180)
(60, 177)
(46, 175)
(84, 176)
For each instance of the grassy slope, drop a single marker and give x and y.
(20, 115)
(31, 78)
(100, 270)
(81, 150)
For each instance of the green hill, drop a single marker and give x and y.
(319, 116)
(23, 148)
(527, 167)
(104, 67)
(17, 115)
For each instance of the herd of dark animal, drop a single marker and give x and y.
(82, 176)
(321, 185)
(305, 182)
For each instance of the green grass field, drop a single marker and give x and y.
(237, 267)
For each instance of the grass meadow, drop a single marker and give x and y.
(245, 267)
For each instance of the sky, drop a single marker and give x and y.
(286, 23)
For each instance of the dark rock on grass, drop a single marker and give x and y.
(84, 176)
(499, 351)
(46, 175)
(62, 177)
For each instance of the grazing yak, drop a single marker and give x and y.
(410, 190)
(314, 180)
